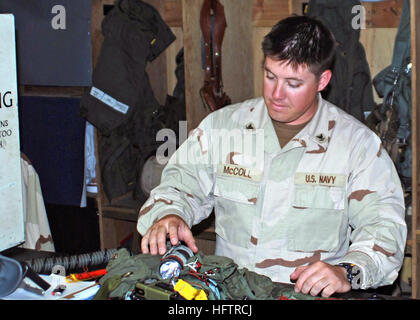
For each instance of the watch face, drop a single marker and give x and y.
(356, 282)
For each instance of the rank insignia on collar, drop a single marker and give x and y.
(321, 138)
(250, 126)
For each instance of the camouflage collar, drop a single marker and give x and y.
(314, 135)
(317, 129)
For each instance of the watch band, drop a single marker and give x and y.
(354, 274)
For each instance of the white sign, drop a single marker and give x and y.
(12, 230)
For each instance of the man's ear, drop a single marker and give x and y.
(324, 79)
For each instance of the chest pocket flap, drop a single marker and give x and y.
(322, 191)
(315, 218)
(321, 197)
(237, 183)
(236, 190)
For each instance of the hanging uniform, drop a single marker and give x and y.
(279, 208)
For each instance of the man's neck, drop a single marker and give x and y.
(285, 132)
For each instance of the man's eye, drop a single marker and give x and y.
(293, 85)
(269, 77)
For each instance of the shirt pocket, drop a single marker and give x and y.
(315, 218)
(235, 201)
(236, 189)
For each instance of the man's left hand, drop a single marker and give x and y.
(320, 277)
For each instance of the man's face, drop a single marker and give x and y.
(291, 95)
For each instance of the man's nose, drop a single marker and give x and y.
(279, 91)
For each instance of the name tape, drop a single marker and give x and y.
(109, 101)
(336, 180)
(232, 170)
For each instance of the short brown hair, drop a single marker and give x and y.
(301, 40)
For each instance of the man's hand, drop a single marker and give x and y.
(171, 225)
(320, 276)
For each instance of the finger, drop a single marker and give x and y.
(328, 291)
(310, 282)
(189, 239)
(296, 273)
(161, 239)
(145, 243)
(303, 277)
(173, 233)
(318, 286)
(153, 241)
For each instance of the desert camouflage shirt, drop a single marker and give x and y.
(331, 194)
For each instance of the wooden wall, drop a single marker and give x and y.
(236, 55)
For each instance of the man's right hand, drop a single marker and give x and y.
(172, 225)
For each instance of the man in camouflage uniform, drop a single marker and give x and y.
(300, 188)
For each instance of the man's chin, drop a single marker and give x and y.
(278, 116)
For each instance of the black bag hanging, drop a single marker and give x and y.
(121, 103)
(350, 87)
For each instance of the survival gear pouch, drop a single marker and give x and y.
(219, 277)
(124, 271)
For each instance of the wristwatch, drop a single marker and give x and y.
(354, 274)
